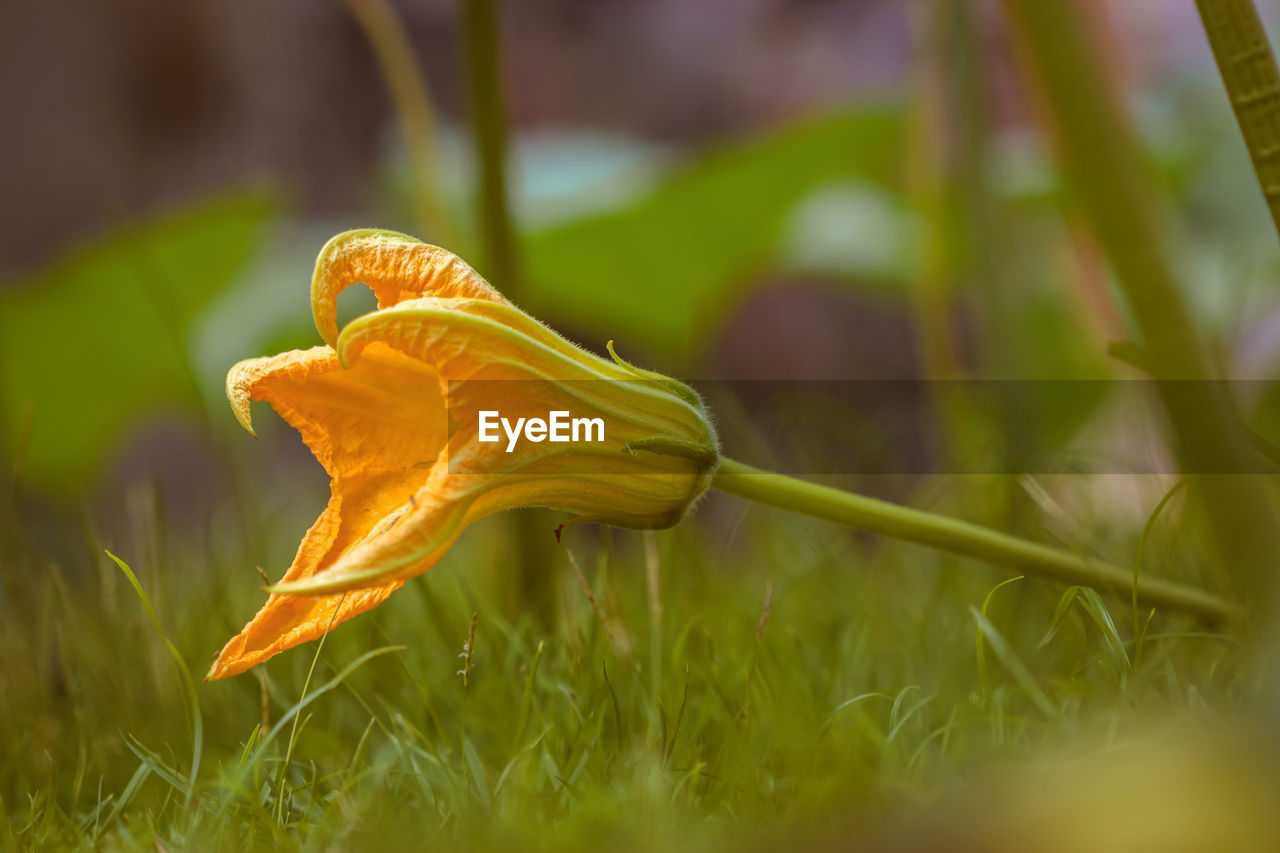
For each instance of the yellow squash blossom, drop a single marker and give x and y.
(399, 409)
(391, 408)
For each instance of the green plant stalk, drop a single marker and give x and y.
(1111, 183)
(413, 108)
(489, 131)
(933, 185)
(946, 145)
(1107, 174)
(963, 538)
(1249, 73)
(529, 590)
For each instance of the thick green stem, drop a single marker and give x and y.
(530, 591)
(963, 538)
(933, 184)
(1111, 183)
(1248, 69)
(489, 130)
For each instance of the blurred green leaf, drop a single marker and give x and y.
(659, 272)
(97, 340)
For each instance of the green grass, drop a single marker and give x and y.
(744, 677)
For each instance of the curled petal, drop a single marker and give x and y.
(414, 326)
(465, 339)
(378, 430)
(396, 267)
(331, 407)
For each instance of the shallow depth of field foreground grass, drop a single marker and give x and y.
(748, 677)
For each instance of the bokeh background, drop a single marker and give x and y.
(729, 189)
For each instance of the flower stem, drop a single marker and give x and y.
(963, 538)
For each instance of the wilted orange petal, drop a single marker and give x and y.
(377, 429)
(410, 543)
(286, 621)
(396, 267)
(385, 415)
(416, 545)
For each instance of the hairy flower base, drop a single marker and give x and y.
(409, 472)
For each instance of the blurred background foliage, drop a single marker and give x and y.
(727, 189)
(661, 225)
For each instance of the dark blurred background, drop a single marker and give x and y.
(120, 107)
(728, 189)
(125, 106)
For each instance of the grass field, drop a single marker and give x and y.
(745, 678)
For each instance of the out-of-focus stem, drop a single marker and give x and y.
(1108, 175)
(1110, 181)
(1248, 69)
(489, 130)
(932, 187)
(487, 112)
(413, 109)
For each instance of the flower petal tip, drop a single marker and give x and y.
(222, 668)
(239, 382)
(245, 419)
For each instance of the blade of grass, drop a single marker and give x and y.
(235, 785)
(293, 729)
(1139, 631)
(1097, 610)
(135, 782)
(980, 654)
(653, 588)
(1059, 613)
(476, 768)
(526, 700)
(897, 721)
(849, 703)
(1013, 664)
(157, 765)
(190, 699)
